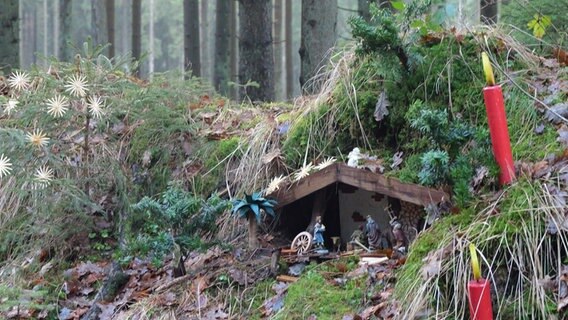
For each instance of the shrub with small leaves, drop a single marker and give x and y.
(177, 213)
(435, 168)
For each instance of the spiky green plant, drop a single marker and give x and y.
(251, 208)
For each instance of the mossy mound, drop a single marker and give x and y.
(520, 247)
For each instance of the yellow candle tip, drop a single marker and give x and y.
(474, 262)
(487, 69)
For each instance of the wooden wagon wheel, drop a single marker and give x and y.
(302, 242)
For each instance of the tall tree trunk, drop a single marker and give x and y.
(9, 36)
(136, 31)
(33, 35)
(278, 52)
(65, 17)
(363, 8)
(56, 23)
(110, 10)
(222, 43)
(204, 39)
(234, 72)
(165, 41)
(99, 23)
(125, 36)
(191, 36)
(151, 55)
(252, 231)
(45, 29)
(319, 22)
(255, 49)
(488, 11)
(289, 48)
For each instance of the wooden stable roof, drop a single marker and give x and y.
(360, 178)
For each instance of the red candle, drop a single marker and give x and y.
(480, 307)
(497, 120)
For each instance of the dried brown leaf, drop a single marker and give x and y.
(563, 135)
(381, 107)
(548, 283)
(555, 113)
(370, 311)
(271, 156)
(88, 268)
(480, 174)
(216, 314)
(396, 160)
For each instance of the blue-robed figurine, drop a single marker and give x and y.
(319, 229)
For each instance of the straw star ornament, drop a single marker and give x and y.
(303, 172)
(5, 166)
(95, 105)
(326, 163)
(57, 106)
(10, 106)
(37, 138)
(43, 176)
(275, 184)
(77, 86)
(19, 81)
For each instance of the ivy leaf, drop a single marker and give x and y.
(539, 24)
(417, 23)
(398, 5)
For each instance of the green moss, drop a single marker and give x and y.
(523, 118)
(306, 134)
(409, 172)
(221, 150)
(426, 242)
(516, 208)
(214, 156)
(313, 294)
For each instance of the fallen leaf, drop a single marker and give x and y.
(87, 268)
(168, 299)
(563, 135)
(45, 268)
(43, 314)
(18, 313)
(216, 314)
(240, 276)
(374, 165)
(381, 107)
(540, 168)
(146, 158)
(107, 310)
(555, 113)
(480, 174)
(207, 117)
(200, 283)
(269, 157)
(548, 283)
(431, 269)
(86, 291)
(561, 56)
(396, 160)
(77, 313)
(92, 278)
(550, 63)
(370, 311)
